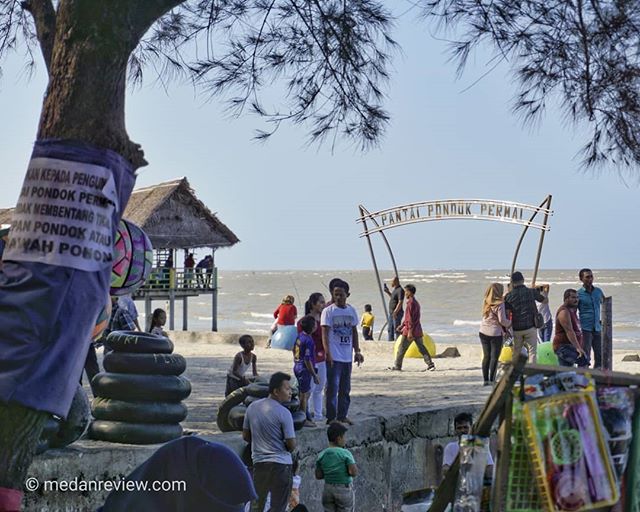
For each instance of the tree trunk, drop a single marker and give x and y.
(19, 435)
(87, 79)
(85, 98)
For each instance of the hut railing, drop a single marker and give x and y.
(183, 279)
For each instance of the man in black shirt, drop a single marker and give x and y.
(521, 301)
(395, 307)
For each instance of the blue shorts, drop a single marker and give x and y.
(304, 379)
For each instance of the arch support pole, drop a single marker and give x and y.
(542, 233)
(375, 265)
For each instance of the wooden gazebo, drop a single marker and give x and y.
(174, 219)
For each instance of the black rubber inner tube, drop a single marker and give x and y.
(138, 342)
(134, 433)
(138, 412)
(132, 388)
(146, 364)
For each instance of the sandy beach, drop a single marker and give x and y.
(375, 390)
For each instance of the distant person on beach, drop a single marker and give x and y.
(545, 334)
(127, 302)
(396, 298)
(313, 307)
(339, 323)
(189, 264)
(158, 320)
(121, 319)
(204, 271)
(462, 424)
(337, 467)
(493, 326)
(367, 323)
(411, 331)
(522, 303)
(285, 313)
(590, 300)
(209, 477)
(241, 363)
(268, 426)
(304, 364)
(568, 340)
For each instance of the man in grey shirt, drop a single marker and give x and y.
(268, 426)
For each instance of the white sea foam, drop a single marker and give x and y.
(466, 322)
(205, 318)
(259, 294)
(249, 322)
(260, 315)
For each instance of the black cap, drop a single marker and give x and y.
(517, 277)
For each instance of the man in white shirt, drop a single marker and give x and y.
(462, 425)
(339, 322)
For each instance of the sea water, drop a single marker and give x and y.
(451, 300)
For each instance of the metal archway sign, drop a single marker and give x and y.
(454, 209)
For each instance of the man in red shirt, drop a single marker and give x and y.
(411, 330)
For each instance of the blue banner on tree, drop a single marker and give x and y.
(57, 269)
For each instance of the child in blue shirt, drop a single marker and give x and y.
(304, 364)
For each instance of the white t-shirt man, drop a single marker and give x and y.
(451, 452)
(341, 322)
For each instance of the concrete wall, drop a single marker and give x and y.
(395, 455)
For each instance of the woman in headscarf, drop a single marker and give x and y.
(215, 479)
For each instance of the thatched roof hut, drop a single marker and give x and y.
(172, 216)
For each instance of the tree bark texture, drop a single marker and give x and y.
(85, 96)
(20, 430)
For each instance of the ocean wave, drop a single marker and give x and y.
(251, 294)
(448, 275)
(466, 322)
(440, 334)
(249, 322)
(207, 318)
(260, 315)
(626, 325)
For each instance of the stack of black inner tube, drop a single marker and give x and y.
(139, 396)
(232, 410)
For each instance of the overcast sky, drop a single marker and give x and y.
(294, 207)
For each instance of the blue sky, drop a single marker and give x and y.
(294, 207)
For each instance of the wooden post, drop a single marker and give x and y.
(147, 311)
(185, 313)
(172, 309)
(214, 294)
(607, 334)
(501, 482)
(445, 493)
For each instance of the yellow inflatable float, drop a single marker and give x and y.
(413, 352)
(506, 354)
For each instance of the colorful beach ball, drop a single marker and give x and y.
(132, 258)
(102, 322)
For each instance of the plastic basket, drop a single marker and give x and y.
(552, 410)
(632, 497)
(522, 496)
